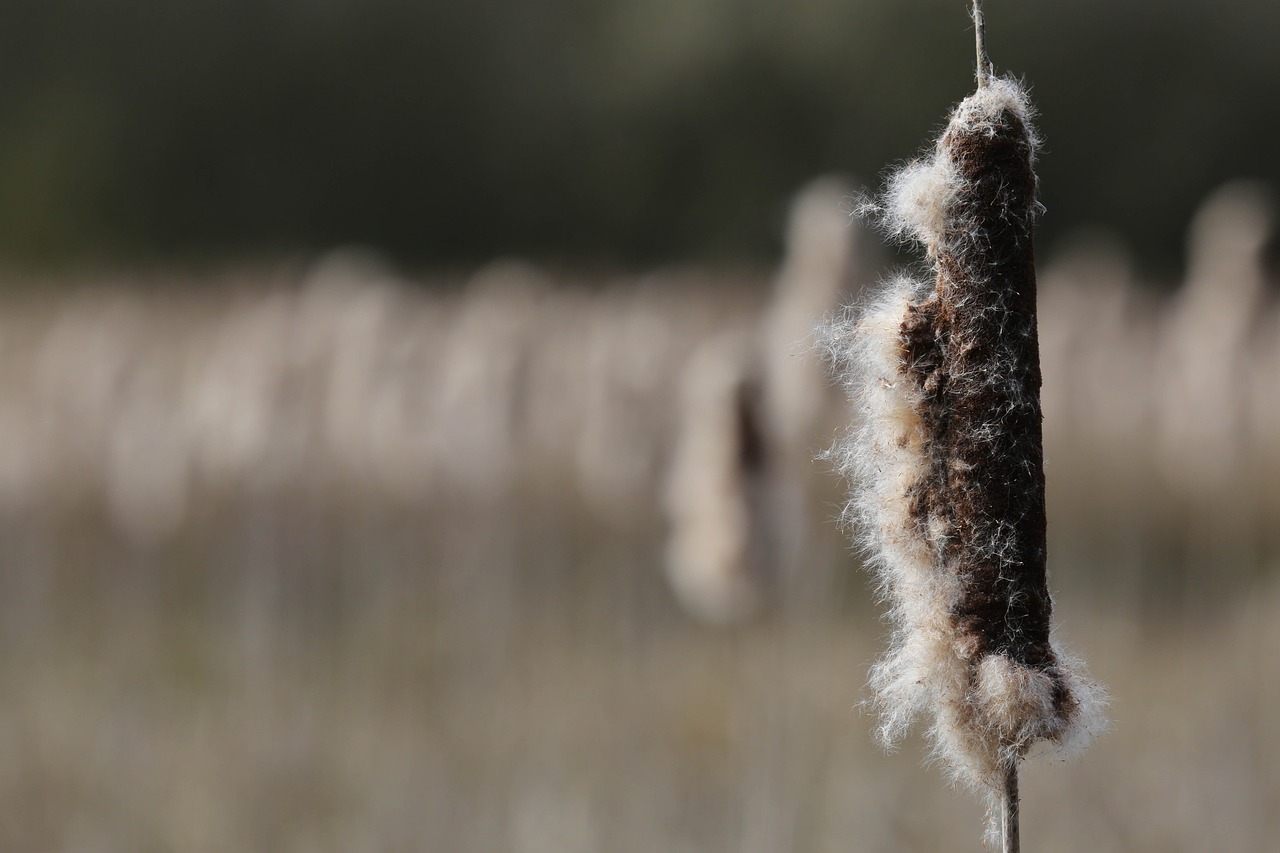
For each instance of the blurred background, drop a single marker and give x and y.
(408, 422)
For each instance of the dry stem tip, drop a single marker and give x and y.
(983, 62)
(1009, 842)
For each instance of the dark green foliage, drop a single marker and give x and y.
(582, 130)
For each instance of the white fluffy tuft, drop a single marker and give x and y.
(916, 198)
(883, 457)
(982, 110)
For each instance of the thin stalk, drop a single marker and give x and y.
(982, 62)
(1009, 842)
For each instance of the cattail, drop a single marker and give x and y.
(948, 463)
(734, 494)
(1207, 336)
(719, 557)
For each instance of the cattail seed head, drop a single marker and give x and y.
(947, 463)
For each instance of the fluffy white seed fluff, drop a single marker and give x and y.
(917, 197)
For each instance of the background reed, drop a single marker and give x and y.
(278, 613)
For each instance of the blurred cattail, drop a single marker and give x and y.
(1206, 356)
(735, 493)
(948, 463)
(719, 559)
(819, 268)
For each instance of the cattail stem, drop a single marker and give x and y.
(982, 62)
(1009, 808)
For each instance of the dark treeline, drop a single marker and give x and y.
(585, 131)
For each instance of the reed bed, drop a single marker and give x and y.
(148, 398)
(317, 558)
